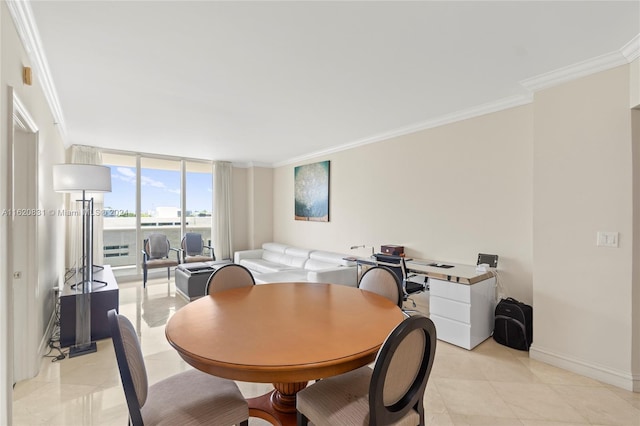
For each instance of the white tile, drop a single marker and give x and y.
(490, 385)
(599, 405)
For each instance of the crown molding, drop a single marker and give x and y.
(631, 50)
(251, 164)
(626, 54)
(477, 111)
(24, 21)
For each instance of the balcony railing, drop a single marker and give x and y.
(119, 236)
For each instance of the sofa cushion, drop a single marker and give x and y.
(316, 265)
(262, 265)
(298, 252)
(275, 247)
(332, 258)
(293, 275)
(285, 260)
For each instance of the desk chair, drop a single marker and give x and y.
(229, 276)
(398, 266)
(392, 393)
(383, 281)
(191, 397)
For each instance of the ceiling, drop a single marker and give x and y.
(268, 83)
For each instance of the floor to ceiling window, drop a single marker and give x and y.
(119, 232)
(147, 197)
(160, 210)
(199, 199)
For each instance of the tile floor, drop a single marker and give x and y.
(491, 385)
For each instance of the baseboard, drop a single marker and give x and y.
(621, 379)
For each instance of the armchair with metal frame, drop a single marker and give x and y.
(193, 246)
(155, 254)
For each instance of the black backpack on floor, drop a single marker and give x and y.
(513, 325)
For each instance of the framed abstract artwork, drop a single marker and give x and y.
(311, 187)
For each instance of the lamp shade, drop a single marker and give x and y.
(81, 177)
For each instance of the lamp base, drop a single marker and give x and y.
(80, 285)
(78, 350)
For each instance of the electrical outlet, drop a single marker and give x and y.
(607, 239)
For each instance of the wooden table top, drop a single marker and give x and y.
(283, 332)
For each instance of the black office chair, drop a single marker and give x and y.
(398, 266)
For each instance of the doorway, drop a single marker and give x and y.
(22, 239)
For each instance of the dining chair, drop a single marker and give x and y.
(391, 393)
(188, 398)
(155, 254)
(227, 277)
(382, 280)
(193, 246)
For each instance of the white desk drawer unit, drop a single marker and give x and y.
(463, 313)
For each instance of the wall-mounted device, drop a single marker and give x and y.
(489, 259)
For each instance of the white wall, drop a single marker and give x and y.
(635, 350)
(261, 204)
(532, 184)
(582, 185)
(445, 194)
(51, 229)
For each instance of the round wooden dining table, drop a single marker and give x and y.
(282, 333)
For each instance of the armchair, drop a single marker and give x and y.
(155, 254)
(193, 249)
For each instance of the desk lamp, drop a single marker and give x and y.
(73, 178)
(364, 246)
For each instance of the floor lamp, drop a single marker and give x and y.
(74, 178)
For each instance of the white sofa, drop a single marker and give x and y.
(276, 262)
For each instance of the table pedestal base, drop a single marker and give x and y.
(278, 406)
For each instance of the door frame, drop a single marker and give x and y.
(24, 359)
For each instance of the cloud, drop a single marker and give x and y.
(147, 181)
(125, 174)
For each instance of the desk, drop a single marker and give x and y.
(282, 333)
(462, 300)
(103, 298)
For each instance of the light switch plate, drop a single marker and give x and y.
(607, 239)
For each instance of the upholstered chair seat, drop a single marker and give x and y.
(188, 398)
(390, 394)
(344, 400)
(195, 403)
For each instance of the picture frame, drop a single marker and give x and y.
(311, 192)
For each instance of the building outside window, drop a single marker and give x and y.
(161, 209)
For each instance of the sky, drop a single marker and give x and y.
(160, 188)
